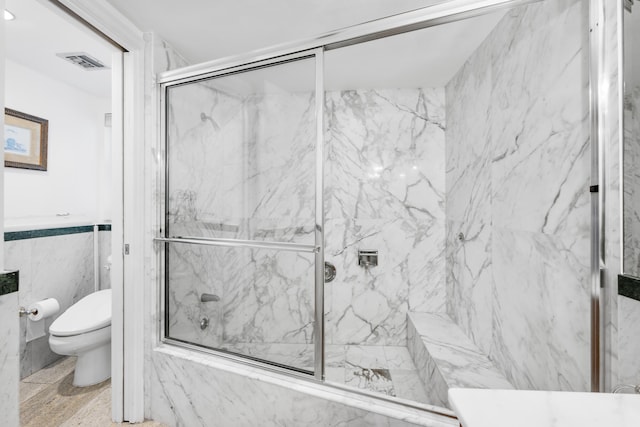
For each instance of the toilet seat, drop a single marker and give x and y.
(91, 313)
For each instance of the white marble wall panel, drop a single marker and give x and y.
(517, 189)
(269, 297)
(281, 158)
(9, 359)
(249, 397)
(384, 191)
(541, 332)
(242, 163)
(468, 198)
(265, 296)
(59, 267)
(163, 56)
(631, 172)
(104, 248)
(629, 362)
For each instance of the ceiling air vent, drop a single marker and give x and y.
(83, 60)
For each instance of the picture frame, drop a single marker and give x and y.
(25, 140)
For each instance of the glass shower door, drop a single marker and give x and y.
(240, 236)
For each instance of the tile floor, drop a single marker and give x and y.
(49, 399)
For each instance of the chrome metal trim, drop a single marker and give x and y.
(430, 16)
(238, 358)
(319, 221)
(233, 243)
(237, 67)
(386, 398)
(596, 86)
(310, 378)
(163, 183)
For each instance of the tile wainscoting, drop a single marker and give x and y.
(53, 263)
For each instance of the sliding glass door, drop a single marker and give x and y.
(243, 237)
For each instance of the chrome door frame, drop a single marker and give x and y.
(317, 248)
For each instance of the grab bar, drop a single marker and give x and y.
(233, 243)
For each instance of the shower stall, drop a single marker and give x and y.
(395, 212)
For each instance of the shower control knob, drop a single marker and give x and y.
(204, 323)
(329, 272)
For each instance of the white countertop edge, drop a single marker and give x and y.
(528, 408)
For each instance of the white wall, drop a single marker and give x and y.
(75, 147)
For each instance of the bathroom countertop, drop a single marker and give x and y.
(525, 408)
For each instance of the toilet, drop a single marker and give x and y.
(84, 330)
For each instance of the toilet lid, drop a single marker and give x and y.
(91, 313)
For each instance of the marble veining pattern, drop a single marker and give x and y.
(58, 267)
(517, 196)
(613, 231)
(525, 408)
(9, 281)
(9, 359)
(159, 56)
(631, 206)
(104, 248)
(446, 357)
(241, 167)
(247, 397)
(629, 363)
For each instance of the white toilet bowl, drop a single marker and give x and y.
(84, 330)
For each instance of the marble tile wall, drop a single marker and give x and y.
(628, 360)
(517, 202)
(9, 359)
(384, 190)
(186, 390)
(248, 397)
(58, 267)
(447, 358)
(631, 207)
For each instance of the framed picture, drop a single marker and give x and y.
(25, 140)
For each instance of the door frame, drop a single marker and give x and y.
(128, 211)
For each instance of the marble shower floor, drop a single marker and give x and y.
(48, 398)
(383, 369)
